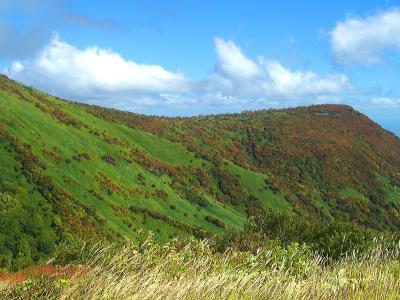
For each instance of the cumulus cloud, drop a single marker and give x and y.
(232, 63)
(291, 84)
(362, 40)
(237, 75)
(104, 77)
(93, 73)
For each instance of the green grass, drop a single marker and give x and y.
(255, 184)
(393, 192)
(320, 203)
(164, 150)
(41, 131)
(352, 193)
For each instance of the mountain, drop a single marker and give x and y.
(70, 170)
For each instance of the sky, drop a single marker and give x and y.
(205, 57)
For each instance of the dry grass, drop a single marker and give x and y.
(193, 271)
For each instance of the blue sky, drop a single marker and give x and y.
(198, 57)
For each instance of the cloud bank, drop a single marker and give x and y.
(239, 76)
(92, 72)
(104, 77)
(362, 41)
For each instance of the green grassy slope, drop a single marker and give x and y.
(94, 162)
(69, 170)
(328, 160)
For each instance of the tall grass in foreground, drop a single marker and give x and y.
(192, 270)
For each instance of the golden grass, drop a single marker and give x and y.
(193, 271)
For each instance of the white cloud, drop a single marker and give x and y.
(297, 84)
(93, 73)
(362, 40)
(237, 75)
(16, 67)
(232, 63)
(238, 82)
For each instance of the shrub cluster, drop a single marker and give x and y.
(332, 240)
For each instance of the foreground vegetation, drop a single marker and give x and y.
(265, 260)
(192, 270)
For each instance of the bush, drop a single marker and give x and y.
(332, 240)
(335, 240)
(286, 226)
(5, 261)
(215, 221)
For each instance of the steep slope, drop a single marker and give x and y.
(328, 160)
(66, 173)
(71, 170)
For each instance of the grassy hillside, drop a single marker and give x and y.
(69, 170)
(327, 160)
